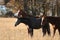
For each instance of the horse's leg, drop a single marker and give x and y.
(48, 29)
(59, 30)
(54, 31)
(30, 31)
(44, 30)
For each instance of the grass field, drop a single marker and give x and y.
(9, 32)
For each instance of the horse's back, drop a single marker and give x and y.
(53, 20)
(36, 22)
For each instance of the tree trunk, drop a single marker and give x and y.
(25, 5)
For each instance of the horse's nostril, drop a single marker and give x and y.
(15, 25)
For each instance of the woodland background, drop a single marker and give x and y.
(34, 7)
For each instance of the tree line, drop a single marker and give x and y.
(37, 7)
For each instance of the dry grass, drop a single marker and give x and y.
(9, 32)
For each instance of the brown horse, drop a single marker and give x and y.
(23, 13)
(54, 21)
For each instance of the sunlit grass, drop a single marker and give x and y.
(9, 32)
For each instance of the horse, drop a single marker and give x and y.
(33, 23)
(54, 21)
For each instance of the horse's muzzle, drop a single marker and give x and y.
(15, 25)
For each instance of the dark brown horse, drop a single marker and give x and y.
(32, 22)
(54, 21)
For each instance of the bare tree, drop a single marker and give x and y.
(6, 1)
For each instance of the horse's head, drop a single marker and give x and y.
(18, 21)
(22, 20)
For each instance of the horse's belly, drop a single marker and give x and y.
(36, 25)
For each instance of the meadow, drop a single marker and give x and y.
(9, 32)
